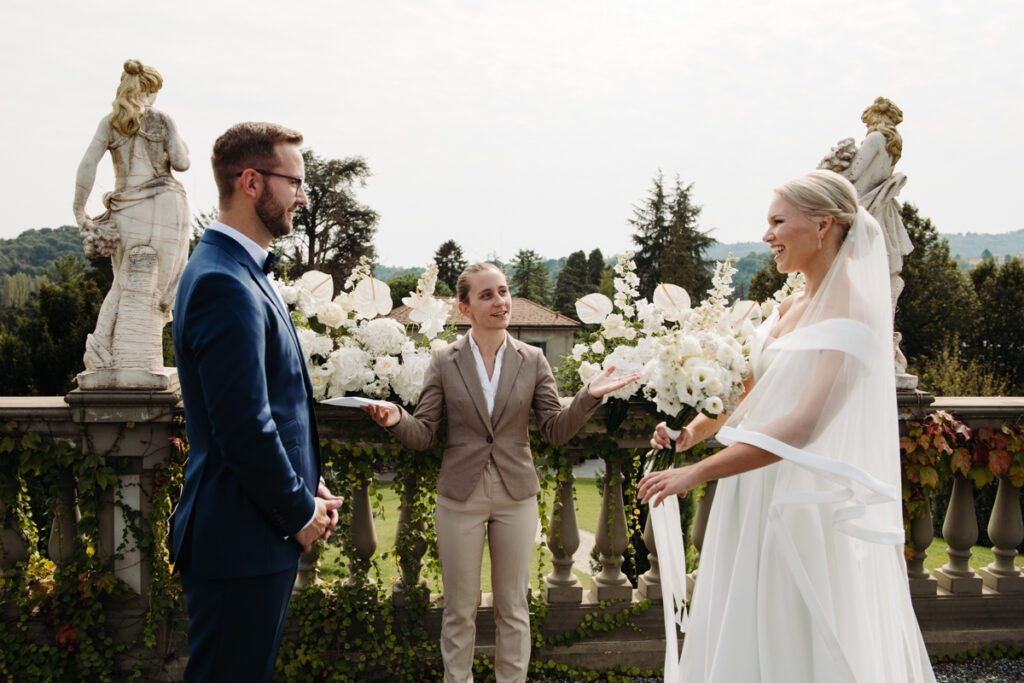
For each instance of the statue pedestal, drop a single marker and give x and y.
(163, 379)
(905, 382)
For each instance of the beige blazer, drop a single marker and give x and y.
(452, 391)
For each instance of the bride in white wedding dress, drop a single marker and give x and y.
(802, 576)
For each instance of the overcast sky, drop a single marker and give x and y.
(529, 124)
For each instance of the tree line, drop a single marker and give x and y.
(963, 333)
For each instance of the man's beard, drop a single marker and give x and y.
(273, 215)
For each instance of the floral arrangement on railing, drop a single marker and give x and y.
(690, 359)
(925, 453)
(940, 447)
(349, 343)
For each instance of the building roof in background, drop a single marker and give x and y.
(525, 313)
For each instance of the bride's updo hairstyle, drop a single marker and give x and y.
(821, 193)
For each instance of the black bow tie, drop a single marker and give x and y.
(272, 259)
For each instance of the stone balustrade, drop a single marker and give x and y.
(958, 607)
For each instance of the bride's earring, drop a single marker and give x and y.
(819, 242)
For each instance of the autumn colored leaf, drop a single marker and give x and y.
(908, 445)
(960, 461)
(929, 477)
(998, 461)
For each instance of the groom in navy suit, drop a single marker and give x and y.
(253, 498)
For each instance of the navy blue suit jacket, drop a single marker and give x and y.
(254, 451)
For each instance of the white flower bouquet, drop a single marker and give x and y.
(351, 347)
(690, 360)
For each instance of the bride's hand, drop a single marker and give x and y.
(657, 486)
(660, 439)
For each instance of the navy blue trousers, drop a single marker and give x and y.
(235, 625)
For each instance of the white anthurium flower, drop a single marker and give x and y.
(593, 308)
(598, 347)
(371, 298)
(672, 300)
(319, 285)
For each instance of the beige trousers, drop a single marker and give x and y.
(511, 526)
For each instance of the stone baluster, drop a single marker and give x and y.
(611, 540)
(364, 534)
(13, 544)
(700, 525)
(561, 586)
(64, 532)
(921, 582)
(649, 583)
(409, 541)
(307, 573)
(961, 532)
(1006, 529)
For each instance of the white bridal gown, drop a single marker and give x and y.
(802, 575)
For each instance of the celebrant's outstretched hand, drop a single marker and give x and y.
(605, 383)
(385, 416)
(657, 486)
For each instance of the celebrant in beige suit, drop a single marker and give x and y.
(484, 386)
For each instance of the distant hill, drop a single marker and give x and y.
(721, 250)
(971, 244)
(33, 251)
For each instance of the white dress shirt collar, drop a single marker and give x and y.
(258, 253)
(488, 384)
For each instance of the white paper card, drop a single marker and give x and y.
(355, 402)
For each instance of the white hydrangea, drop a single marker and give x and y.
(313, 343)
(381, 336)
(351, 370)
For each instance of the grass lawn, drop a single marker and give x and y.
(588, 507)
(980, 556)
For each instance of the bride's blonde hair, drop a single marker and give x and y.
(821, 193)
(128, 108)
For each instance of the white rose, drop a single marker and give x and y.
(289, 294)
(598, 347)
(330, 314)
(577, 351)
(386, 367)
(320, 377)
(589, 371)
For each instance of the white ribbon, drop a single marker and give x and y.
(668, 538)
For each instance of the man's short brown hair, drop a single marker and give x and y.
(247, 145)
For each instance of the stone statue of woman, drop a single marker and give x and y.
(870, 168)
(144, 231)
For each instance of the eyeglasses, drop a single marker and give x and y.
(297, 182)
